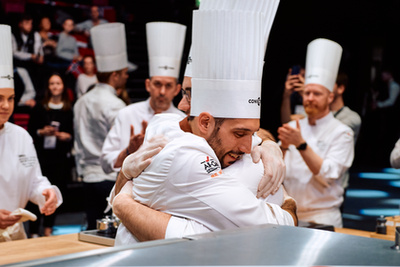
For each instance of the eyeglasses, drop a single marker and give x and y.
(186, 93)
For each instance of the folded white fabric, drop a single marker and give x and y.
(26, 215)
(16, 231)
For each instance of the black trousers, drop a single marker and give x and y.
(95, 201)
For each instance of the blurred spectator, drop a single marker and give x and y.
(346, 116)
(292, 100)
(88, 77)
(51, 127)
(85, 26)
(27, 51)
(67, 47)
(342, 112)
(24, 97)
(28, 94)
(386, 107)
(395, 155)
(392, 87)
(49, 40)
(26, 43)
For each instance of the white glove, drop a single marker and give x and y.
(136, 162)
(274, 167)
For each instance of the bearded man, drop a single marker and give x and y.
(319, 148)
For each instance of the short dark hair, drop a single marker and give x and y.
(67, 18)
(342, 79)
(103, 77)
(218, 121)
(25, 16)
(88, 56)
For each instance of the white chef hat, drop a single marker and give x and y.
(109, 44)
(322, 62)
(268, 7)
(6, 58)
(165, 41)
(228, 47)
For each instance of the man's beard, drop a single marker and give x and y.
(311, 110)
(216, 144)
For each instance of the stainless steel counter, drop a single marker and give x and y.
(262, 245)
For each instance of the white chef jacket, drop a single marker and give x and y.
(333, 142)
(83, 82)
(353, 120)
(177, 184)
(245, 170)
(118, 137)
(395, 155)
(21, 178)
(94, 115)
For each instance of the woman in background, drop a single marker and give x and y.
(51, 127)
(49, 40)
(87, 77)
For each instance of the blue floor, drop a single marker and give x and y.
(67, 229)
(370, 195)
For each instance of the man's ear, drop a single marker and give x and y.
(178, 89)
(147, 84)
(341, 89)
(113, 78)
(205, 124)
(331, 96)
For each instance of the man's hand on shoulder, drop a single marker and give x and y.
(135, 163)
(274, 167)
(290, 205)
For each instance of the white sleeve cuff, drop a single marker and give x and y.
(180, 227)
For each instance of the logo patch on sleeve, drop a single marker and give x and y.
(210, 165)
(27, 161)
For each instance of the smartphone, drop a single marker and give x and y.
(295, 69)
(55, 124)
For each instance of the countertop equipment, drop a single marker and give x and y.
(105, 233)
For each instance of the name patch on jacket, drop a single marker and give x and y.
(210, 165)
(27, 161)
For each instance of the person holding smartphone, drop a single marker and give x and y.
(292, 101)
(51, 127)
